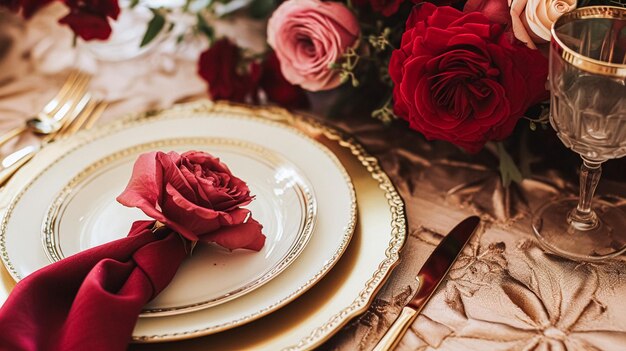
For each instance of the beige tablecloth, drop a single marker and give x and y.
(504, 293)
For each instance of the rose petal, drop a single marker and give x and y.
(196, 219)
(88, 26)
(243, 236)
(173, 175)
(144, 186)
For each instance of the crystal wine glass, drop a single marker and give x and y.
(588, 111)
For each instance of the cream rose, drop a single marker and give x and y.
(532, 19)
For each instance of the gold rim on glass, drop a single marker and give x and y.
(581, 61)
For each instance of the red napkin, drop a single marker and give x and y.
(91, 301)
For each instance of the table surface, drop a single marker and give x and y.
(504, 292)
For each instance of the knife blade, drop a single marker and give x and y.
(429, 277)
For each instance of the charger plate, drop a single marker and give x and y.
(345, 292)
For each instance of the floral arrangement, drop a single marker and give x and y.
(462, 71)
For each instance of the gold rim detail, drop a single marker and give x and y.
(50, 233)
(281, 117)
(581, 61)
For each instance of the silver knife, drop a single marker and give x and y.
(429, 277)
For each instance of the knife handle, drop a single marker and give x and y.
(397, 330)
(13, 163)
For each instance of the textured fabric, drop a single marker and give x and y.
(91, 300)
(504, 293)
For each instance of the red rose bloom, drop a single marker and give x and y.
(460, 78)
(277, 88)
(219, 65)
(384, 7)
(89, 19)
(196, 195)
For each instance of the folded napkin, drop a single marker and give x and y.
(91, 300)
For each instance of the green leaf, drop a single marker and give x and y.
(261, 8)
(204, 27)
(155, 26)
(134, 3)
(508, 169)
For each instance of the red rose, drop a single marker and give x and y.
(219, 66)
(89, 19)
(197, 196)
(384, 7)
(461, 78)
(277, 88)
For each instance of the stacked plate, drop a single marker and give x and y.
(308, 180)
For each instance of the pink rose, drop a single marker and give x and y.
(308, 36)
(197, 196)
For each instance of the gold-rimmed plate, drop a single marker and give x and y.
(85, 214)
(344, 292)
(302, 192)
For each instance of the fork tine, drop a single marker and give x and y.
(72, 127)
(85, 118)
(71, 101)
(96, 114)
(58, 101)
(71, 98)
(50, 106)
(75, 80)
(77, 108)
(90, 112)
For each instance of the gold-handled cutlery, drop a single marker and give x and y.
(430, 275)
(69, 101)
(83, 119)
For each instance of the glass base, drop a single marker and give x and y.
(581, 242)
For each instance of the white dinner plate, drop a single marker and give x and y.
(58, 185)
(85, 214)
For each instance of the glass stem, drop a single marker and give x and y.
(583, 217)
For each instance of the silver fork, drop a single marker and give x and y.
(84, 119)
(69, 100)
